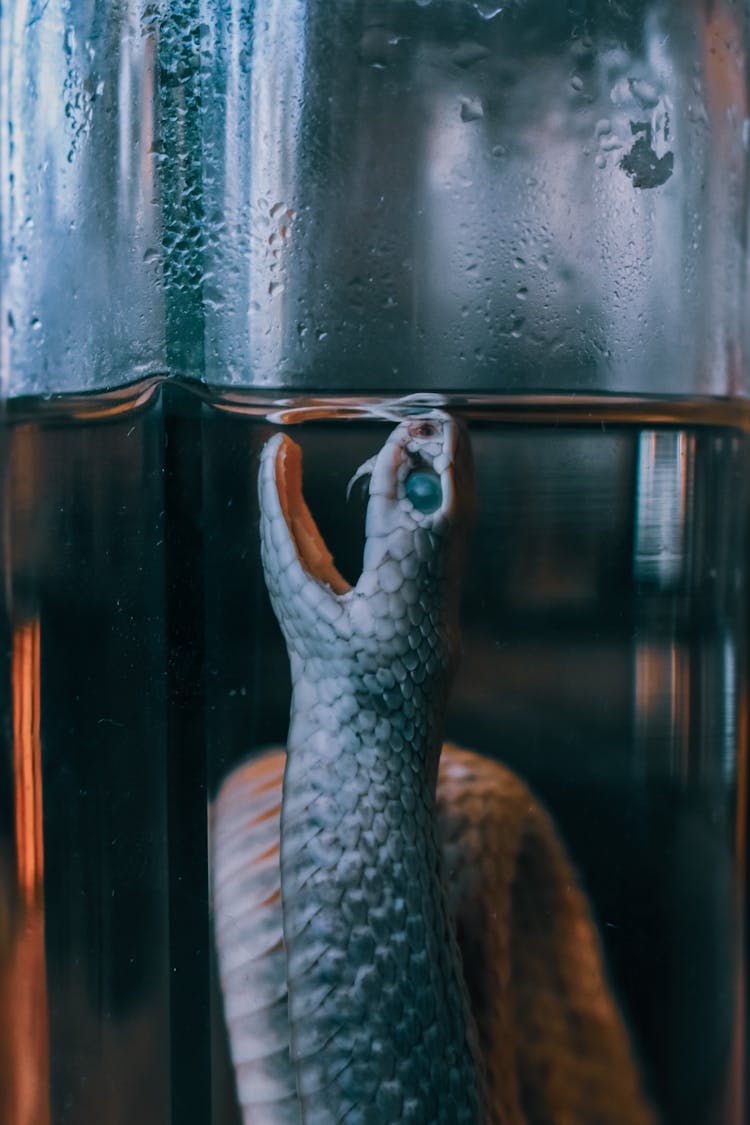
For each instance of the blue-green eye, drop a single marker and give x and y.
(424, 491)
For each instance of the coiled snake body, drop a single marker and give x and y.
(393, 947)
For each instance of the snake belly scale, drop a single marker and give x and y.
(344, 875)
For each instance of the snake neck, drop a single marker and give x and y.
(377, 1004)
(378, 1009)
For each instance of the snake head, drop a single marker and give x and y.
(420, 498)
(420, 492)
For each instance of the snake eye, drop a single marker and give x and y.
(424, 491)
(423, 429)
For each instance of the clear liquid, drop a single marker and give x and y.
(604, 619)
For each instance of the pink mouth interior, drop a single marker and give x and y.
(312, 552)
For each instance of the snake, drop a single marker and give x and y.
(381, 958)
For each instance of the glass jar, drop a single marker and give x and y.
(226, 220)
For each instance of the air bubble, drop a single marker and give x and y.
(424, 491)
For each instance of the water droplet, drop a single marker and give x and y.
(321, 335)
(600, 160)
(213, 297)
(610, 144)
(519, 263)
(499, 151)
(377, 47)
(487, 10)
(468, 53)
(582, 48)
(577, 83)
(697, 113)
(35, 323)
(645, 93)
(471, 109)
(522, 292)
(150, 255)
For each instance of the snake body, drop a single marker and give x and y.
(377, 1005)
(338, 899)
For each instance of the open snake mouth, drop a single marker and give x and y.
(412, 490)
(313, 555)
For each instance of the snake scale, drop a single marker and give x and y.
(400, 936)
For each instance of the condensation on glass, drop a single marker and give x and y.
(82, 299)
(489, 198)
(513, 197)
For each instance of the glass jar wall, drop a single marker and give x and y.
(226, 221)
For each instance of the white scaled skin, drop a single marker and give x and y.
(380, 1027)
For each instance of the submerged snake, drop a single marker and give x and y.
(400, 936)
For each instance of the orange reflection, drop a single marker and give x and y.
(662, 701)
(24, 1051)
(27, 762)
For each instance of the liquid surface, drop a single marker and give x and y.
(604, 660)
